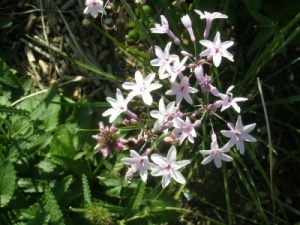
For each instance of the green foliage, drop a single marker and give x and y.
(7, 182)
(50, 173)
(52, 208)
(86, 190)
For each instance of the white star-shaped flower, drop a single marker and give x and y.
(164, 60)
(168, 167)
(209, 18)
(182, 90)
(216, 50)
(228, 100)
(185, 129)
(138, 163)
(119, 105)
(215, 153)
(165, 115)
(239, 134)
(94, 7)
(142, 87)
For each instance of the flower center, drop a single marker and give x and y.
(168, 167)
(95, 4)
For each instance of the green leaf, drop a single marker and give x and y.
(8, 76)
(62, 143)
(35, 215)
(29, 186)
(260, 40)
(7, 182)
(61, 189)
(48, 109)
(52, 208)
(86, 190)
(46, 165)
(75, 166)
(136, 199)
(12, 110)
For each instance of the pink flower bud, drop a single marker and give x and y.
(199, 73)
(197, 123)
(105, 151)
(186, 20)
(214, 137)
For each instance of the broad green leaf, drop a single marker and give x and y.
(44, 107)
(46, 165)
(62, 143)
(7, 183)
(48, 110)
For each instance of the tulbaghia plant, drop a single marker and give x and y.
(166, 116)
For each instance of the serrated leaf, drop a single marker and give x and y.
(86, 190)
(35, 215)
(52, 208)
(12, 110)
(7, 182)
(62, 187)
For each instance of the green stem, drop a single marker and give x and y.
(227, 197)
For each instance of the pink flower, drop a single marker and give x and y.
(209, 18)
(165, 115)
(163, 28)
(228, 100)
(164, 60)
(185, 129)
(204, 81)
(177, 68)
(182, 90)
(216, 50)
(138, 163)
(108, 139)
(168, 167)
(119, 105)
(142, 87)
(239, 134)
(94, 7)
(215, 153)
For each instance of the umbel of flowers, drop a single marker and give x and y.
(168, 119)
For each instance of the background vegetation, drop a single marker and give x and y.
(58, 65)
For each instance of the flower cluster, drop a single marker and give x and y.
(169, 119)
(108, 139)
(167, 167)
